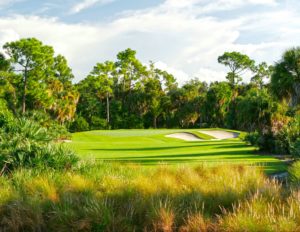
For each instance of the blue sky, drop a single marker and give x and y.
(184, 37)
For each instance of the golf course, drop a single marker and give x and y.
(132, 147)
(152, 147)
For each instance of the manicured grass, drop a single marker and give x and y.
(150, 147)
(202, 136)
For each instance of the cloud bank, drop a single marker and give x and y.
(178, 35)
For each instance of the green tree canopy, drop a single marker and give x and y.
(262, 72)
(33, 60)
(217, 103)
(4, 63)
(41, 80)
(285, 81)
(238, 63)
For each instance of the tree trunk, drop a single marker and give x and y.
(296, 95)
(154, 121)
(14, 103)
(107, 108)
(24, 92)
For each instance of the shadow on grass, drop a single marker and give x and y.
(213, 154)
(231, 156)
(233, 145)
(226, 145)
(268, 167)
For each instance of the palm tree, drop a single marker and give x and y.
(285, 81)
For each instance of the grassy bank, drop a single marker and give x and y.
(111, 197)
(151, 147)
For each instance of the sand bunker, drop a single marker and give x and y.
(218, 134)
(184, 136)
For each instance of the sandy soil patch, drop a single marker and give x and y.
(220, 134)
(184, 136)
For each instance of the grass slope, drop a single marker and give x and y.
(150, 147)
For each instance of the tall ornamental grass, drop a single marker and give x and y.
(111, 197)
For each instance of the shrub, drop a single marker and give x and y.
(98, 123)
(27, 144)
(79, 124)
(58, 131)
(6, 117)
(295, 149)
(133, 122)
(252, 138)
(294, 173)
(54, 156)
(284, 141)
(55, 129)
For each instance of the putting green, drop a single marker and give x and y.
(150, 147)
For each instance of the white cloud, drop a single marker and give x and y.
(178, 38)
(4, 3)
(79, 43)
(180, 75)
(210, 75)
(7, 35)
(82, 5)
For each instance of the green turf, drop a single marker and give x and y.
(150, 147)
(201, 135)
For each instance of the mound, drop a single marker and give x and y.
(184, 136)
(218, 134)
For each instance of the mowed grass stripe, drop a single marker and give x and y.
(151, 147)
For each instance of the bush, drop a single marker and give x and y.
(56, 130)
(27, 144)
(266, 142)
(79, 124)
(294, 173)
(252, 138)
(133, 122)
(284, 141)
(295, 149)
(6, 116)
(98, 123)
(53, 156)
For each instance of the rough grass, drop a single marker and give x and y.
(111, 197)
(151, 147)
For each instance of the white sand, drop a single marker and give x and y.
(184, 136)
(220, 134)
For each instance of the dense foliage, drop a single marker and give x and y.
(25, 143)
(32, 77)
(41, 188)
(126, 93)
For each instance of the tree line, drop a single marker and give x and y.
(125, 93)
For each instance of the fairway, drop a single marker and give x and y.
(150, 147)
